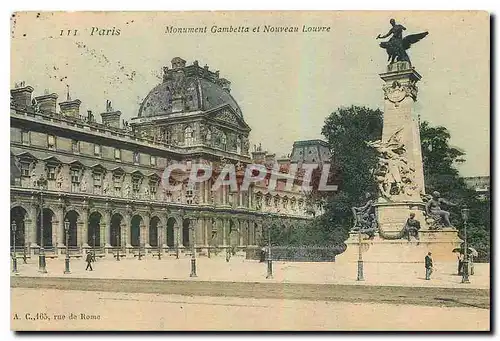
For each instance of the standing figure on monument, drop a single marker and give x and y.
(433, 209)
(396, 46)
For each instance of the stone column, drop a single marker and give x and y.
(199, 231)
(224, 225)
(127, 231)
(85, 228)
(206, 234)
(58, 229)
(105, 230)
(57, 234)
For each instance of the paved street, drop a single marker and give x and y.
(126, 311)
(241, 270)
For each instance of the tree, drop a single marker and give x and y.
(347, 130)
(440, 173)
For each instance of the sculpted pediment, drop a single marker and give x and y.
(227, 115)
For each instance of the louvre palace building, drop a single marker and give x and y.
(100, 178)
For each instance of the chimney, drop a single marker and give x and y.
(70, 108)
(47, 102)
(111, 117)
(178, 63)
(225, 84)
(21, 95)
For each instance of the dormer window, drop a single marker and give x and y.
(51, 142)
(75, 146)
(153, 160)
(118, 154)
(25, 169)
(136, 158)
(25, 137)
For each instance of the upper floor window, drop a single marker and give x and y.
(188, 136)
(136, 158)
(51, 142)
(189, 194)
(51, 173)
(75, 180)
(153, 187)
(135, 185)
(118, 154)
(75, 146)
(97, 183)
(168, 136)
(153, 160)
(25, 137)
(97, 150)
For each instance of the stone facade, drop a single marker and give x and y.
(104, 179)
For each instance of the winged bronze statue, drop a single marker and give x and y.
(396, 46)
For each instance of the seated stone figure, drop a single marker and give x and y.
(364, 217)
(440, 217)
(412, 226)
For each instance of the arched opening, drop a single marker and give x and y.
(18, 215)
(94, 230)
(170, 232)
(185, 233)
(116, 230)
(153, 231)
(135, 230)
(233, 233)
(47, 228)
(72, 217)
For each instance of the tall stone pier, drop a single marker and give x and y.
(401, 183)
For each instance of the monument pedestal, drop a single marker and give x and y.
(379, 250)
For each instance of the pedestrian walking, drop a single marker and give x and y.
(460, 263)
(89, 260)
(428, 266)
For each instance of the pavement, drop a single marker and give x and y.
(239, 269)
(93, 310)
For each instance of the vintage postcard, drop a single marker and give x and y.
(271, 170)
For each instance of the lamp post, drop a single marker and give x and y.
(117, 246)
(66, 261)
(42, 182)
(360, 259)
(465, 271)
(14, 258)
(269, 256)
(193, 251)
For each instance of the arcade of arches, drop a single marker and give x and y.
(107, 229)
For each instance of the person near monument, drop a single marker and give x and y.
(412, 227)
(428, 266)
(460, 263)
(89, 260)
(433, 208)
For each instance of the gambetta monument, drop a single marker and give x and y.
(401, 223)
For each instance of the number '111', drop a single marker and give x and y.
(68, 32)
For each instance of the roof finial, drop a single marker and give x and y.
(68, 97)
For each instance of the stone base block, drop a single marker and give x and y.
(378, 250)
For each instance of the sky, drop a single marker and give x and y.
(285, 83)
